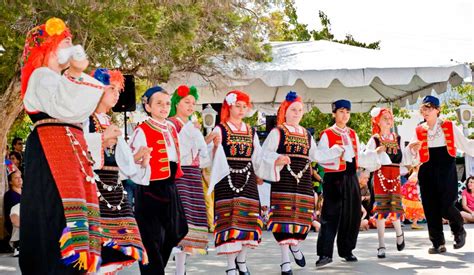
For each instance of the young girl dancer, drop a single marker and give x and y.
(287, 155)
(238, 225)
(387, 188)
(194, 156)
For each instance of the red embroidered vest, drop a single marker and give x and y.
(159, 163)
(422, 135)
(336, 138)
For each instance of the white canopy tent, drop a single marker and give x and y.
(323, 71)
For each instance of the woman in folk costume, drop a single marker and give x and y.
(60, 222)
(111, 154)
(387, 187)
(238, 225)
(341, 212)
(437, 175)
(194, 156)
(287, 155)
(158, 209)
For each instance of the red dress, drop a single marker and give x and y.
(411, 200)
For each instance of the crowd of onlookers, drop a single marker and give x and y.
(11, 199)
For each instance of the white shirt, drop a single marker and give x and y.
(138, 140)
(60, 97)
(383, 158)
(123, 154)
(460, 141)
(269, 171)
(365, 159)
(192, 145)
(220, 166)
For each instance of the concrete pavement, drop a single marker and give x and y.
(266, 258)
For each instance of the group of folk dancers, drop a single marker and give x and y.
(75, 213)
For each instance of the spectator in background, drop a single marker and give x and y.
(468, 201)
(10, 199)
(17, 159)
(17, 145)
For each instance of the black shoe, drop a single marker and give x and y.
(460, 240)
(381, 252)
(350, 258)
(323, 261)
(241, 272)
(401, 246)
(301, 262)
(289, 272)
(437, 250)
(229, 270)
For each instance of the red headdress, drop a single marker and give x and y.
(291, 97)
(117, 77)
(230, 99)
(376, 113)
(40, 42)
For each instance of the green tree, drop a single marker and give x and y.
(465, 95)
(150, 39)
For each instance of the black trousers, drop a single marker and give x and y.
(439, 190)
(161, 221)
(341, 213)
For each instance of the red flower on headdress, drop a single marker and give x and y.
(183, 90)
(239, 96)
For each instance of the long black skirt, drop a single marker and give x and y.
(41, 216)
(161, 220)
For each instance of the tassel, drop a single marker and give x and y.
(81, 262)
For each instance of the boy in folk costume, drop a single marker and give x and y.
(341, 212)
(60, 219)
(287, 155)
(238, 225)
(437, 175)
(111, 154)
(194, 155)
(387, 187)
(158, 209)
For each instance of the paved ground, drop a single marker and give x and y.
(266, 258)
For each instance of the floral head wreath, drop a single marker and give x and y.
(40, 42)
(180, 93)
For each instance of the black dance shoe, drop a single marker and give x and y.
(323, 261)
(289, 272)
(437, 250)
(460, 240)
(401, 246)
(242, 272)
(301, 262)
(381, 252)
(350, 258)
